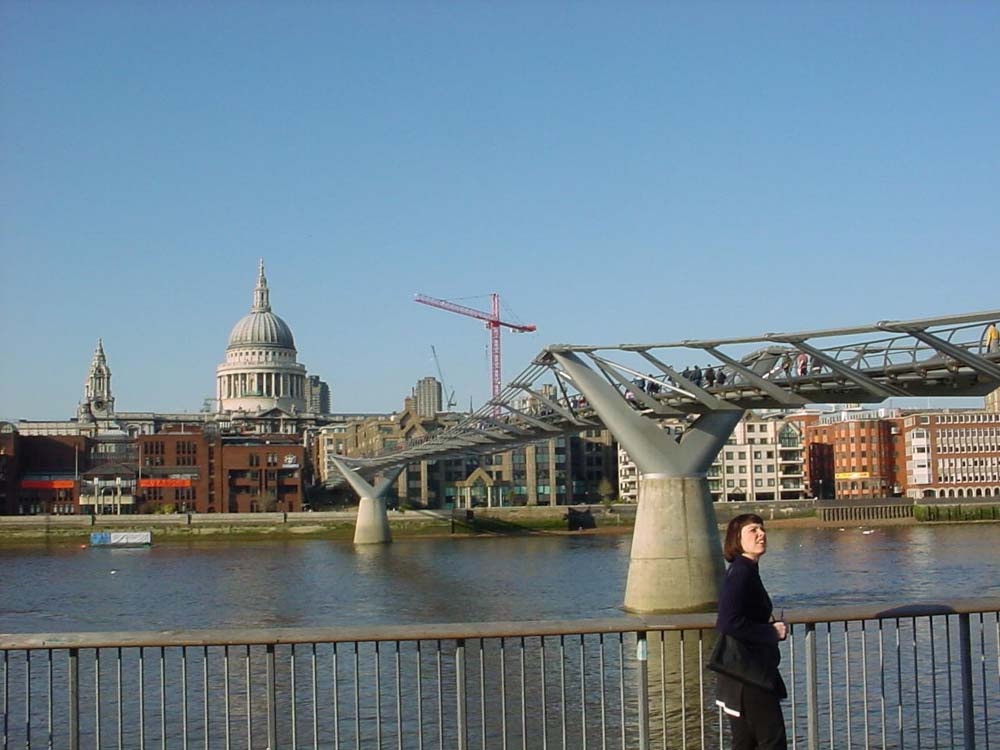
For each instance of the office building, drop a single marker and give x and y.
(427, 397)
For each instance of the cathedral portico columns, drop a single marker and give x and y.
(372, 526)
(676, 559)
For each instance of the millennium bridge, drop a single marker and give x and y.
(631, 389)
(886, 675)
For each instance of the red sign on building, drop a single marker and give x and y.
(47, 484)
(164, 482)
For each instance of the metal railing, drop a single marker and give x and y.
(914, 676)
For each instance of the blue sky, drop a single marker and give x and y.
(616, 171)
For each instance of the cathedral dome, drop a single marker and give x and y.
(260, 372)
(261, 327)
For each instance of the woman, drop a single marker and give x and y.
(745, 614)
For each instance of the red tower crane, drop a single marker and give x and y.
(493, 325)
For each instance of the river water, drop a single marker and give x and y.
(329, 583)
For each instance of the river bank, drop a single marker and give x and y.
(339, 525)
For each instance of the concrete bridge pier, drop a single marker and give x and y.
(676, 560)
(372, 526)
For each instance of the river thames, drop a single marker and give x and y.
(329, 583)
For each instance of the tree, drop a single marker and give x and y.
(606, 490)
(267, 501)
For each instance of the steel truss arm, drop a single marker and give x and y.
(691, 389)
(467, 439)
(388, 480)
(885, 390)
(545, 426)
(504, 426)
(564, 413)
(561, 383)
(610, 369)
(978, 363)
(491, 433)
(361, 485)
(779, 394)
(653, 450)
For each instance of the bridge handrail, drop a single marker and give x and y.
(474, 630)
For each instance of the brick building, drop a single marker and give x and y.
(38, 474)
(260, 475)
(861, 454)
(952, 454)
(182, 471)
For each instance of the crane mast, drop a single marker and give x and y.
(493, 325)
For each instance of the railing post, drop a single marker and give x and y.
(965, 657)
(812, 691)
(272, 710)
(74, 698)
(642, 657)
(462, 728)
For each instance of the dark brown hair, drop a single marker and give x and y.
(731, 547)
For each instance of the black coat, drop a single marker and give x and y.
(745, 614)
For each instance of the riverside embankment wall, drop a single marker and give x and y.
(509, 520)
(520, 519)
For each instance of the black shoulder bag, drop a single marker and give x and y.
(751, 663)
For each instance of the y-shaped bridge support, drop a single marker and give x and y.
(372, 526)
(676, 561)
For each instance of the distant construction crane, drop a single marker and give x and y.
(449, 397)
(493, 325)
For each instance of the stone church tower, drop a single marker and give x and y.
(98, 401)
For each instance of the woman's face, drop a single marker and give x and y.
(753, 540)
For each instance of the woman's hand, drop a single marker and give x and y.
(781, 629)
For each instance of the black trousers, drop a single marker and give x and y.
(761, 725)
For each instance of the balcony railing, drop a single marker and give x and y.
(912, 676)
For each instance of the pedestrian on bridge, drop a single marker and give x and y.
(786, 364)
(802, 364)
(991, 339)
(746, 657)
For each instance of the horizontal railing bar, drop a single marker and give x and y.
(452, 631)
